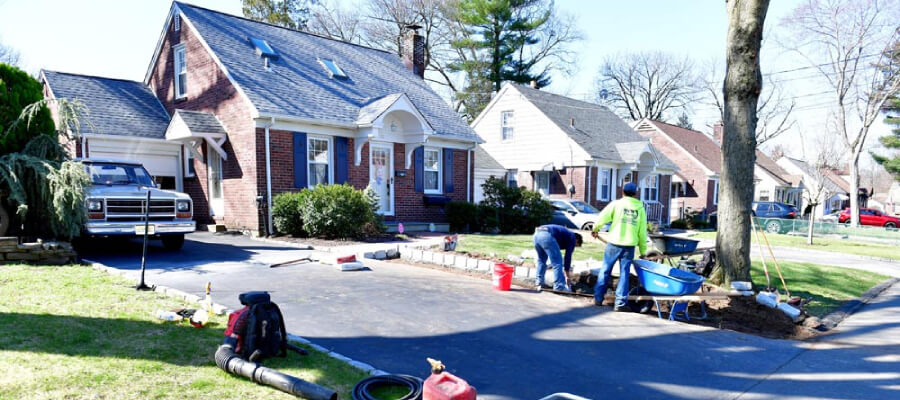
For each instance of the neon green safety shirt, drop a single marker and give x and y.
(628, 223)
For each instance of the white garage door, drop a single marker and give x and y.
(157, 165)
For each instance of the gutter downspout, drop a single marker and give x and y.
(269, 227)
(469, 173)
(587, 196)
(84, 147)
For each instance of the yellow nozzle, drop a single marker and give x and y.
(436, 365)
(207, 287)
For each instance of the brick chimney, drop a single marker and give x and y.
(413, 50)
(718, 132)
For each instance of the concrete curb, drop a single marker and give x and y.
(850, 307)
(222, 310)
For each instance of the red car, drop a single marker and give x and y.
(870, 216)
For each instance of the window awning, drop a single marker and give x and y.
(193, 127)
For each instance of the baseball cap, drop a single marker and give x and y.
(629, 188)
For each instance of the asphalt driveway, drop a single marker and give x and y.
(518, 344)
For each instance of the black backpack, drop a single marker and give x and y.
(259, 327)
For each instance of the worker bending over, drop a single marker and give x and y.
(548, 240)
(628, 228)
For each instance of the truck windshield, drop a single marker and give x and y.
(118, 174)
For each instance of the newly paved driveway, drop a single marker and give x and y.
(523, 345)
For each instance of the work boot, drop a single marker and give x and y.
(624, 308)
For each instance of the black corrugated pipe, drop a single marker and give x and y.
(232, 363)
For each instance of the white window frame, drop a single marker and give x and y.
(326, 139)
(716, 193)
(605, 173)
(647, 189)
(188, 161)
(439, 170)
(766, 193)
(512, 176)
(537, 188)
(507, 124)
(181, 74)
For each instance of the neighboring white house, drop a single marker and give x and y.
(834, 195)
(485, 167)
(125, 121)
(773, 183)
(566, 148)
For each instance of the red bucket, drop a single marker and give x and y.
(503, 275)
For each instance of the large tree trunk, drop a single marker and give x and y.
(743, 82)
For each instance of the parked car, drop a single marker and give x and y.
(774, 209)
(872, 217)
(116, 203)
(574, 214)
(833, 217)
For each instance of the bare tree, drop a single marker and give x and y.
(848, 44)
(9, 55)
(647, 84)
(819, 167)
(774, 110)
(329, 19)
(741, 93)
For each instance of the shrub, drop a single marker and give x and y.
(376, 226)
(516, 210)
(336, 212)
(488, 218)
(678, 224)
(463, 216)
(18, 90)
(286, 213)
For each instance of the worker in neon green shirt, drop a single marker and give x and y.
(628, 228)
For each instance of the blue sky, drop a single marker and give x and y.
(115, 38)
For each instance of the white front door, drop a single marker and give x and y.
(381, 172)
(214, 182)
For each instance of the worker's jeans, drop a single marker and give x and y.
(624, 255)
(546, 247)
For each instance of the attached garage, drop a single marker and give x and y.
(125, 121)
(485, 167)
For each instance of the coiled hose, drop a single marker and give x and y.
(362, 390)
(231, 363)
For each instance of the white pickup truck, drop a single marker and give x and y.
(117, 199)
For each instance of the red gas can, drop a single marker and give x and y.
(445, 386)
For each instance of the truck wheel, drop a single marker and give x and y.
(773, 227)
(4, 220)
(173, 242)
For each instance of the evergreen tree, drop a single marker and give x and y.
(18, 90)
(684, 121)
(892, 141)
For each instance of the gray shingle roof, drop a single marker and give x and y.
(298, 85)
(483, 160)
(201, 122)
(116, 107)
(597, 130)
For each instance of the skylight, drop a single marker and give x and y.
(263, 48)
(333, 68)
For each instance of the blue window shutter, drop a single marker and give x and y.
(448, 170)
(340, 160)
(300, 160)
(419, 156)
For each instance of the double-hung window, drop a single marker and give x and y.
(716, 193)
(604, 184)
(180, 72)
(542, 182)
(512, 178)
(432, 171)
(651, 188)
(318, 161)
(189, 171)
(507, 118)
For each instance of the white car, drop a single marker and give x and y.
(574, 214)
(833, 217)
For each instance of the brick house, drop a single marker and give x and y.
(695, 187)
(260, 110)
(566, 148)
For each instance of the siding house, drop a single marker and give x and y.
(259, 110)
(566, 148)
(699, 159)
(836, 190)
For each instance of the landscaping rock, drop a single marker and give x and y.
(369, 255)
(380, 255)
(471, 263)
(461, 262)
(485, 265)
(391, 254)
(448, 260)
(522, 272)
(812, 323)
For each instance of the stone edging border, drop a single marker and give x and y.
(850, 307)
(222, 310)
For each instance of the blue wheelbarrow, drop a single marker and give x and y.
(663, 281)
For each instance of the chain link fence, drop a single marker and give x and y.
(800, 227)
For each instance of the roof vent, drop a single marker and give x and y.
(263, 49)
(572, 123)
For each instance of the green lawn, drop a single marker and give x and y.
(828, 286)
(879, 250)
(504, 245)
(73, 332)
